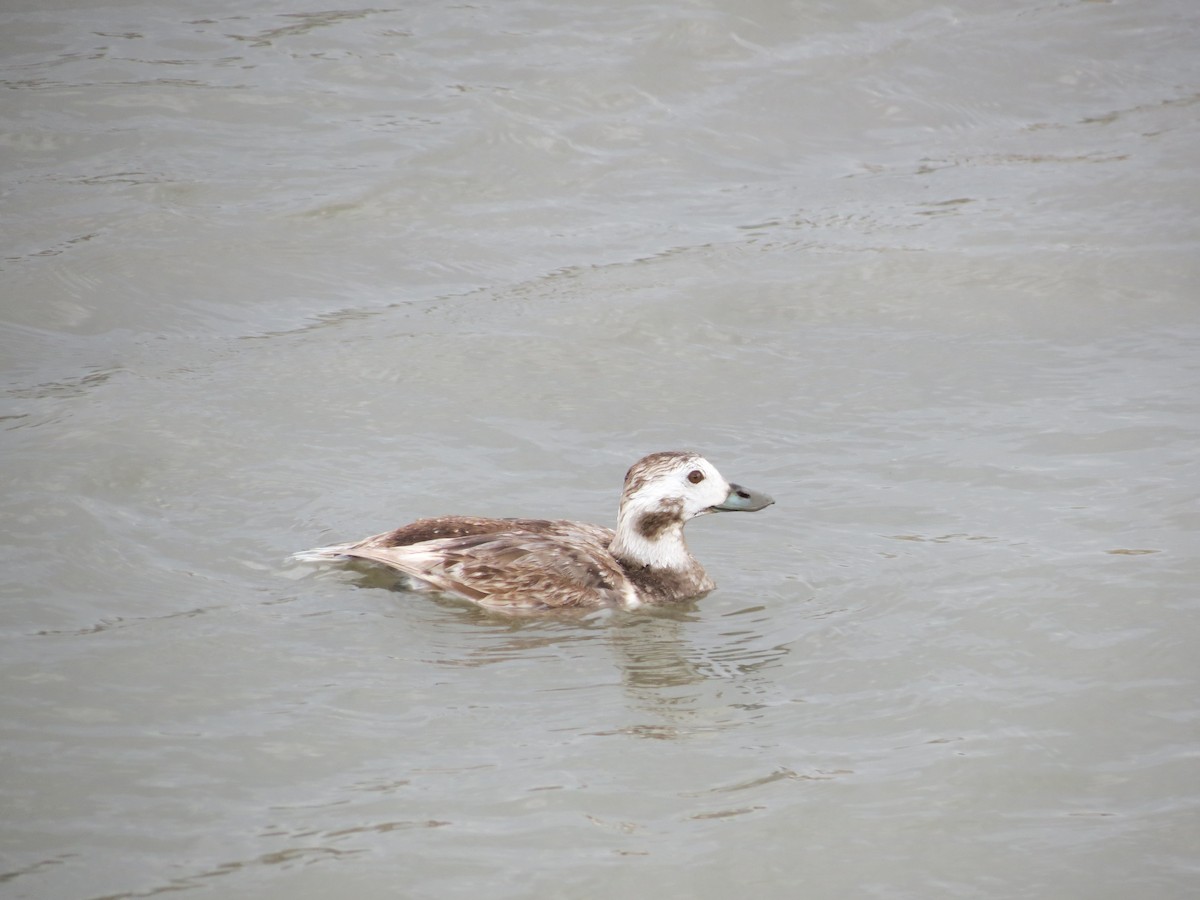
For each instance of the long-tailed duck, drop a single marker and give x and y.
(523, 564)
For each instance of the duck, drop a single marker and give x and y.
(519, 564)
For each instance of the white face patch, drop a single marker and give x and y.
(699, 497)
(686, 484)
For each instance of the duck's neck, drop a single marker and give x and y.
(667, 550)
(657, 561)
(651, 550)
(651, 538)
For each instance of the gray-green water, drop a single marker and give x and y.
(274, 277)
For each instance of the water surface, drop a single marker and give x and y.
(275, 277)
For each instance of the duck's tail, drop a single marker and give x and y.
(322, 554)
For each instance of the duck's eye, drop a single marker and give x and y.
(695, 476)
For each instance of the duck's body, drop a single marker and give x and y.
(543, 564)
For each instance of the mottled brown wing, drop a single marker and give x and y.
(521, 569)
(441, 527)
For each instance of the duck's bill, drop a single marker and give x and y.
(742, 499)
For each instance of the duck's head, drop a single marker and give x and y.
(686, 483)
(665, 490)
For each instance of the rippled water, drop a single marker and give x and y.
(274, 277)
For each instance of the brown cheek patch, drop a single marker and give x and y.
(652, 525)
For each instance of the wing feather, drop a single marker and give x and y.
(519, 569)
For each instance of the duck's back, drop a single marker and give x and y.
(441, 527)
(506, 563)
(501, 563)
